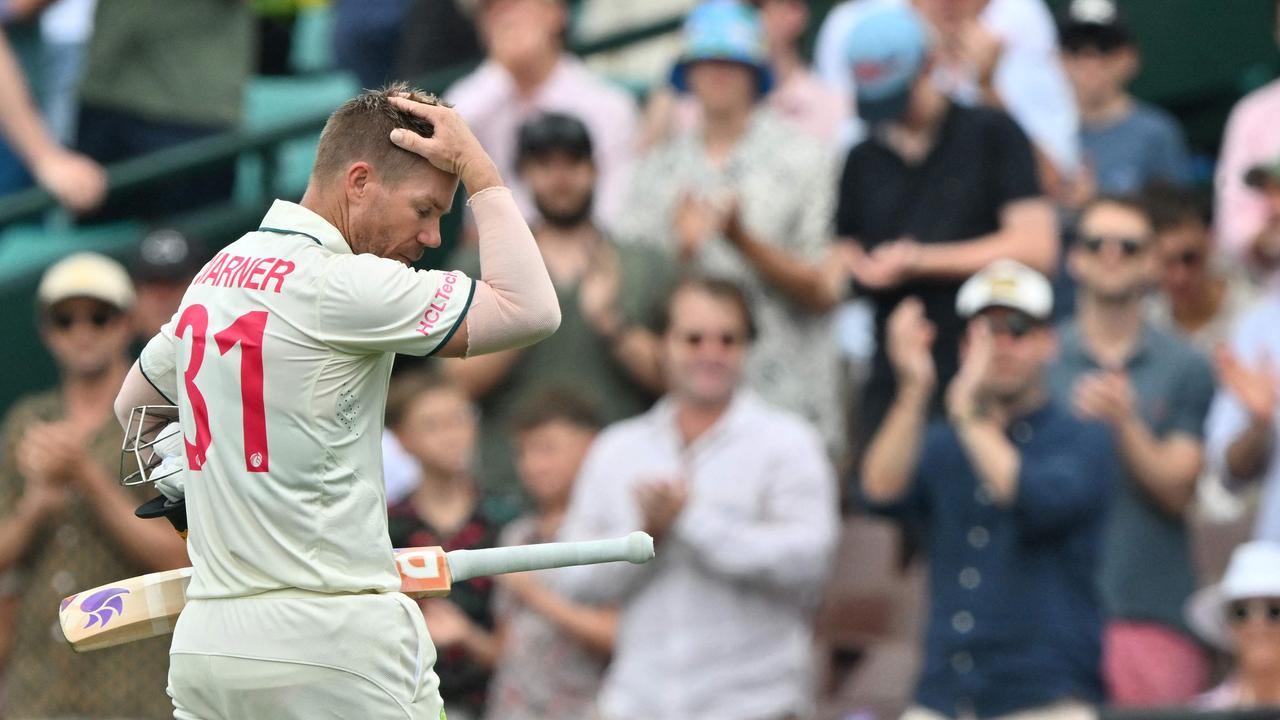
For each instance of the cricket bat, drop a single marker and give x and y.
(148, 605)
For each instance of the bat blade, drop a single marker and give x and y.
(121, 612)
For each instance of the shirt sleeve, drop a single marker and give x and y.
(1194, 393)
(1016, 177)
(159, 362)
(790, 547)
(370, 304)
(1060, 491)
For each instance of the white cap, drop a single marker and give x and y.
(86, 274)
(1006, 283)
(1254, 572)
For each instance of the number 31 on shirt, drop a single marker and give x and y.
(247, 332)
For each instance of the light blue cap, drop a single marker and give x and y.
(724, 30)
(886, 50)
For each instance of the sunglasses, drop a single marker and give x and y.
(63, 320)
(1238, 612)
(726, 340)
(1129, 246)
(1015, 325)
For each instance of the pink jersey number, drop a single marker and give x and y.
(247, 331)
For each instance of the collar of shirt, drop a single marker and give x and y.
(1074, 346)
(741, 407)
(293, 219)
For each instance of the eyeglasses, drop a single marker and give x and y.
(1129, 246)
(1238, 612)
(726, 340)
(1015, 325)
(64, 320)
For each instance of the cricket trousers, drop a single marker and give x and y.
(303, 655)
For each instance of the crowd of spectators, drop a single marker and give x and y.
(1070, 393)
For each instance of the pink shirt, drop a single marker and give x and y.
(488, 100)
(808, 103)
(1252, 137)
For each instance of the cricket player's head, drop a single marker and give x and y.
(435, 421)
(707, 328)
(83, 306)
(552, 432)
(389, 200)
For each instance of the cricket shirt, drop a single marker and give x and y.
(279, 360)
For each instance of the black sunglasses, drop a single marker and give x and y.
(1129, 246)
(1015, 325)
(65, 320)
(1239, 611)
(727, 340)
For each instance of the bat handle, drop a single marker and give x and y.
(635, 548)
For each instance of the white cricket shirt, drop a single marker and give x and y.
(279, 359)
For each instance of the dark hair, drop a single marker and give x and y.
(409, 387)
(552, 132)
(718, 288)
(360, 129)
(1172, 206)
(556, 404)
(1128, 202)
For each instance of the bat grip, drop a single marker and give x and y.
(635, 548)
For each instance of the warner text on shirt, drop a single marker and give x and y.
(266, 274)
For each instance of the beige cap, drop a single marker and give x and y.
(1006, 283)
(86, 274)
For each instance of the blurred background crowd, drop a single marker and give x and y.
(943, 364)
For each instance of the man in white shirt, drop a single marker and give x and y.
(741, 499)
(278, 360)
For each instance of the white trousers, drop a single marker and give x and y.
(343, 656)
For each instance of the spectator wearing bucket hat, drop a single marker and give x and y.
(748, 198)
(1241, 616)
(65, 521)
(1011, 491)
(936, 192)
(526, 73)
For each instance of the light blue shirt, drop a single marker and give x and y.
(1255, 336)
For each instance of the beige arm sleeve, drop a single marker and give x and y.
(515, 303)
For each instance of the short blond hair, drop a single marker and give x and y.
(360, 130)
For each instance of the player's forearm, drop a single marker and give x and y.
(894, 452)
(152, 545)
(1165, 470)
(1250, 453)
(515, 303)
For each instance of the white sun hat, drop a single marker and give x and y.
(1006, 283)
(1254, 572)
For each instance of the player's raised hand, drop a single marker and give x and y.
(452, 146)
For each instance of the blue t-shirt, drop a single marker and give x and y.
(1145, 145)
(1015, 620)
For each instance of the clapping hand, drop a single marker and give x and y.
(1107, 396)
(1257, 390)
(661, 502)
(909, 343)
